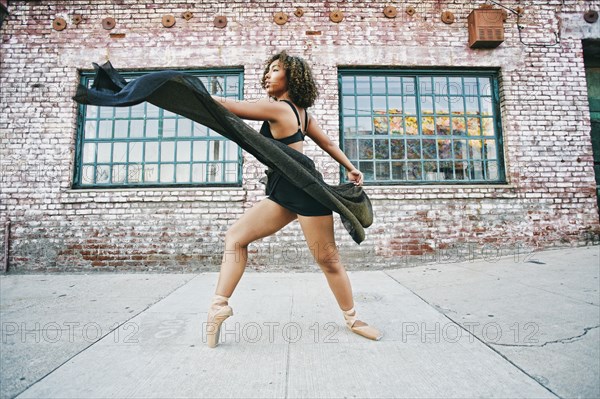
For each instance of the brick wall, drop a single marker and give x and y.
(549, 199)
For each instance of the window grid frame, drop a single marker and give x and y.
(159, 138)
(493, 74)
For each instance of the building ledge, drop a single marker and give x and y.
(445, 191)
(154, 194)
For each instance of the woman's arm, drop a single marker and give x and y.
(265, 109)
(315, 132)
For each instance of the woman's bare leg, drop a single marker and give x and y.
(263, 219)
(318, 231)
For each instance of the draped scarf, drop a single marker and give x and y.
(186, 95)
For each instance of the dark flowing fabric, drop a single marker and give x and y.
(186, 95)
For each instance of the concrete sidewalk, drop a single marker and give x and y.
(512, 328)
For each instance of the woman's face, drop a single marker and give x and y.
(276, 83)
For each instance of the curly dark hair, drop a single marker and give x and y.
(301, 84)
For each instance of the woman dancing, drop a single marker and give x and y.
(291, 89)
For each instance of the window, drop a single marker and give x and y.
(422, 127)
(144, 145)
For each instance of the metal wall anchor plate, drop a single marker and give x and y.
(590, 16)
(109, 23)
(59, 24)
(168, 21)
(390, 12)
(447, 17)
(336, 16)
(280, 18)
(220, 21)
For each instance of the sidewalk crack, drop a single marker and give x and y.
(556, 341)
(479, 339)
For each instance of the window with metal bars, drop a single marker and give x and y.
(413, 127)
(147, 146)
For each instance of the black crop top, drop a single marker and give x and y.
(265, 129)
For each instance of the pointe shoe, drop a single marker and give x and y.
(218, 312)
(366, 331)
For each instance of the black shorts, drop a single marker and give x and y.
(281, 191)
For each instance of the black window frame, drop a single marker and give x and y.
(208, 167)
(434, 75)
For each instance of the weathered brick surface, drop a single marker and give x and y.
(549, 199)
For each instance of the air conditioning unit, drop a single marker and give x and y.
(486, 28)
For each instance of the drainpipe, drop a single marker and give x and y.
(6, 245)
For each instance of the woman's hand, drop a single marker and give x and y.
(356, 177)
